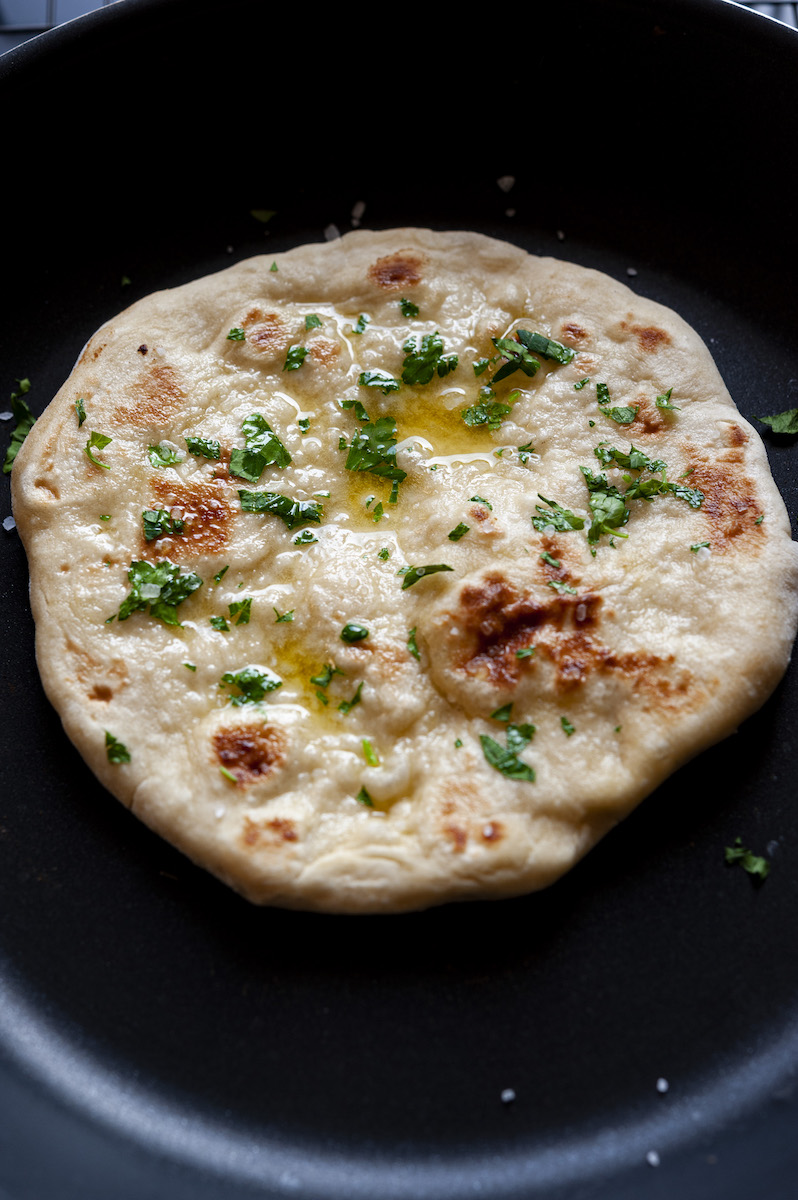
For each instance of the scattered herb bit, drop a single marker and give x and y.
(592, 424)
(262, 448)
(241, 610)
(377, 512)
(304, 424)
(190, 666)
(547, 558)
(412, 644)
(458, 532)
(219, 576)
(361, 323)
(488, 411)
(756, 866)
(346, 706)
(229, 776)
(696, 546)
(539, 344)
(274, 267)
(519, 736)
(567, 727)
(353, 632)
(80, 409)
(373, 449)
(236, 335)
(384, 554)
(284, 618)
(527, 652)
(159, 523)
(252, 684)
(481, 500)
(607, 506)
(582, 383)
(305, 538)
(204, 447)
(559, 518)
(164, 455)
(125, 281)
(219, 624)
(115, 750)
(25, 422)
(364, 798)
(369, 754)
(506, 761)
(263, 215)
(97, 441)
(415, 573)
(409, 309)
(291, 512)
(159, 587)
(617, 729)
(312, 321)
(635, 460)
(324, 676)
(458, 743)
(105, 516)
(502, 714)
(379, 379)
(621, 416)
(759, 519)
(558, 586)
(525, 453)
(602, 393)
(421, 362)
(518, 358)
(294, 358)
(480, 366)
(359, 410)
(664, 401)
(783, 422)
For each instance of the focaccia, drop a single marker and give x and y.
(397, 569)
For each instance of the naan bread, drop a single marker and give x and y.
(392, 771)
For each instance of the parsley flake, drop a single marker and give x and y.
(412, 646)
(159, 587)
(379, 379)
(252, 684)
(783, 422)
(409, 309)
(346, 706)
(353, 632)
(384, 554)
(373, 449)
(413, 574)
(506, 760)
(459, 531)
(518, 358)
(502, 714)
(582, 383)
(291, 512)
(164, 455)
(312, 321)
(294, 358)
(241, 610)
(364, 798)
(547, 558)
(262, 448)
(558, 586)
(488, 411)
(80, 409)
(284, 618)
(696, 546)
(480, 366)
(305, 538)
(664, 401)
(562, 520)
(219, 576)
(361, 323)
(97, 441)
(369, 753)
(219, 624)
(527, 652)
(567, 728)
(160, 523)
(204, 447)
(236, 334)
(422, 362)
(325, 675)
(539, 344)
(756, 866)
(25, 422)
(116, 751)
(481, 500)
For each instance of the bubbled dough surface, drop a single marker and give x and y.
(672, 647)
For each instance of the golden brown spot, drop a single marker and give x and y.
(46, 485)
(207, 513)
(269, 334)
(457, 835)
(649, 419)
(272, 833)
(284, 827)
(101, 691)
(729, 506)
(649, 337)
(480, 513)
(156, 396)
(736, 436)
(493, 831)
(250, 752)
(323, 351)
(572, 334)
(395, 271)
(93, 674)
(92, 351)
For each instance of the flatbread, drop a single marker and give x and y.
(394, 770)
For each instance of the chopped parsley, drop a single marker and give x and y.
(373, 449)
(603, 393)
(116, 751)
(274, 267)
(413, 574)
(364, 798)
(539, 344)
(353, 632)
(482, 500)
(502, 714)
(459, 531)
(204, 447)
(606, 504)
(163, 455)
(488, 411)
(664, 401)
(241, 610)
(783, 422)
(294, 358)
(377, 512)
(80, 409)
(409, 309)
(696, 546)
(219, 624)
(262, 448)
(98, 441)
(621, 416)
(305, 538)
(518, 358)
(159, 523)
(25, 422)
(558, 586)
(582, 383)
(369, 753)
(480, 366)
(547, 558)
(284, 618)
(527, 652)
(757, 867)
(422, 362)
(360, 411)
(251, 683)
(361, 323)
(379, 379)
(312, 321)
(159, 587)
(525, 453)
(384, 554)
(567, 728)
(322, 680)
(291, 512)
(219, 576)
(458, 743)
(506, 760)
(346, 706)
(412, 646)
(190, 666)
(560, 519)
(304, 424)
(236, 335)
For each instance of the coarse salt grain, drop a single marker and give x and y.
(508, 1095)
(219, 812)
(509, 212)
(662, 1085)
(581, 612)
(358, 211)
(505, 182)
(6, 416)
(331, 233)
(703, 553)
(631, 270)
(560, 235)
(652, 1158)
(8, 524)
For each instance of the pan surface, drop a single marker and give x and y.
(158, 1036)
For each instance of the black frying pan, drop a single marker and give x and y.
(158, 1036)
